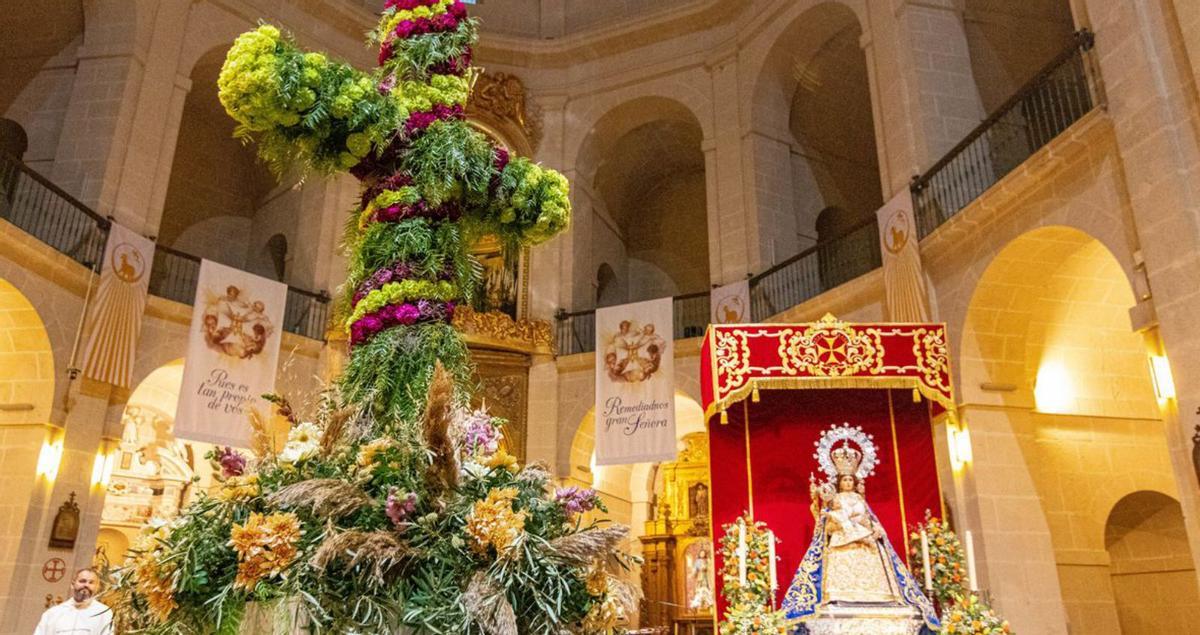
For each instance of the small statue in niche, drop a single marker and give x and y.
(66, 525)
(698, 500)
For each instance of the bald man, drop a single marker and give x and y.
(83, 614)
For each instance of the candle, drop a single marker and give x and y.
(925, 560)
(971, 562)
(771, 561)
(741, 552)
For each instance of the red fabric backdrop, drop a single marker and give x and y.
(783, 427)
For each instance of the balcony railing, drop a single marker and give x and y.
(803, 276)
(816, 270)
(576, 330)
(42, 210)
(1058, 96)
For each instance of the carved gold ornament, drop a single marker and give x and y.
(500, 330)
(830, 348)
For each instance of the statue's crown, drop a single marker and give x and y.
(846, 459)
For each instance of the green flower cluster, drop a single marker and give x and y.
(533, 202)
(304, 108)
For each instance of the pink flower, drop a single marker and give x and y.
(399, 508)
(232, 463)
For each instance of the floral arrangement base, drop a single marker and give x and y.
(864, 620)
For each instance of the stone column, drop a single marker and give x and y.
(103, 102)
(998, 503)
(81, 440)
(933, 59)
(1141, 53)
(551, 288)
(732, 243)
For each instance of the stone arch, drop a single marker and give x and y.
(217, 183)
(1008, 42)
(643, 173)
(812, 111)
(155, 472)
(1057, 385)
(26, 360)
(627, 488)
(1041, 303)
(38, 43)
(1150, 564)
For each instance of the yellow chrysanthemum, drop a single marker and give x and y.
(493, 523)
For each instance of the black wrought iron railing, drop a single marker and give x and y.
(41, 209)
(816, 270)
(1058, 96)
(575, 331)
(803, 276)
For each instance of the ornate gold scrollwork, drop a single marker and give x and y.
(500, 330)
(499, 99)
(831, 348)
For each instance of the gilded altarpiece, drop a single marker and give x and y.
(678, 575)
(504, 379)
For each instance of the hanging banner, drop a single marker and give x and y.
(635, 383)
(903, 277)
(731, 303)
(233, 350)
(116, 316)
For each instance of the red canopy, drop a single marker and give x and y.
(739, 358)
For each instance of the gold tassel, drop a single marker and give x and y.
(724, 417)
(754, 395)
(916, 396)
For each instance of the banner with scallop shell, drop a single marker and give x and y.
(903, 276)
(233, 351)
(635, 383)
(116, 316)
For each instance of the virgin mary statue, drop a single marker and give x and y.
(851, 579)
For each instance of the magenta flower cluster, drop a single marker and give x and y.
(400, 508)
(394, 273)
(389, 184)
(447, 21)
(231, 461)
(482, 436)
(400, 314)
(576, 500)
(450, 210)
(419, 121)
(453, 66)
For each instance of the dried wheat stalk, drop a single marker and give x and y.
(487, 607)
(329, 498)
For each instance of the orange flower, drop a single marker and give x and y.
(266, 547)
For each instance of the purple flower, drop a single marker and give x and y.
(232, 463)
(576, 500)
(481, 435)
(399, 508)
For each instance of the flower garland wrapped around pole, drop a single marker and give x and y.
(398, 508)
(747, 579)
(963, 611)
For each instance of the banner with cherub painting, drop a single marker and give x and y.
(635, 383)
(233, 350)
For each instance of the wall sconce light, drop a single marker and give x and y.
(959, 440)
(102, 467)
(1160, 372)
(49, 458)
